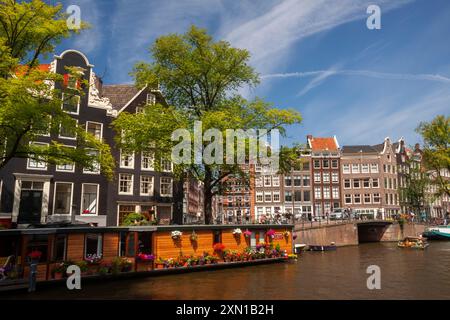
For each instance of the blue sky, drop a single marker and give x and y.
(315, 56)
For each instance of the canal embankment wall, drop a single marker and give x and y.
(346, 234)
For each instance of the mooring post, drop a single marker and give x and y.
(32, 277)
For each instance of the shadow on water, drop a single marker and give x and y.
(341, 274)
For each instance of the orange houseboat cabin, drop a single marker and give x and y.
(99, 250)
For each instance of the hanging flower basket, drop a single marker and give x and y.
(270, 233)
(237, 232)
(176, 235)
(193, 236)
(247, 234)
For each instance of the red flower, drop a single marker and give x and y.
(35, 255)
(219, 247)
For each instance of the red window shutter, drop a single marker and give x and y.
(66, 80)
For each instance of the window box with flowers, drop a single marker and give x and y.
(176, 235)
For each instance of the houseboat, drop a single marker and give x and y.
(116, 250)
(437, 233)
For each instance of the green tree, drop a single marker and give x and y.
(30, 106)
(415, 193)
(200, 79)
(436, 151)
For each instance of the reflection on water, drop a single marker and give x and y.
(405, 274)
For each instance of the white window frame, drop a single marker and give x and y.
(357, 168)
(132, 155)
(364, 198)
(152, 100)
(346, 168)
(354, 198)
(101, 128)
(349, 181)
(276, 193)
(65, 137)
(267, 194)
(275, 181)
(73, 163)
(374, 168)
(378, 183)
(171, 187)
(374, 196)
(150, 193)
(326, 193)
(334, 177)
(162, 167)
(54, 198)
(365, 168)
(317, 177)
(29, 159)
(346, 197)
(96, 203)
(78, 106)
(335, 192)
(152, 156)
(269, 179)
(130, 192)
(261, 195)
(317, 193)
(326, 177)
(86, 171)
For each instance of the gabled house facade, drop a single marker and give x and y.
(33, 192)
(325, 174)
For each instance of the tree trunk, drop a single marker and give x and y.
(207, 204)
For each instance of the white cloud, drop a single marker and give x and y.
(90, 40)
(270, 36)
(389, 116)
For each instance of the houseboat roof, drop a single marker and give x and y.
(78, 229)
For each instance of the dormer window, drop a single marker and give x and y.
(151, 99)
(71, 82)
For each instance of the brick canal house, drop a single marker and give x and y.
(35, 192)
(288, 193)
(235, 204)
(370, 179)
(412, 159)
(325, 175)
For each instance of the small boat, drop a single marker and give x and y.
(298, 248)
(331, 247)
(437, 233)
(413, 243)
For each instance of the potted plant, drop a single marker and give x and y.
(176, 235)
(103, 270)
(59, 271)
(83, 265)
(160, 263)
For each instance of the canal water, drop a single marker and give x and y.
(405, 274)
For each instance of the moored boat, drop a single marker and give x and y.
(331, 247)
(437, 233)
(413, 243)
